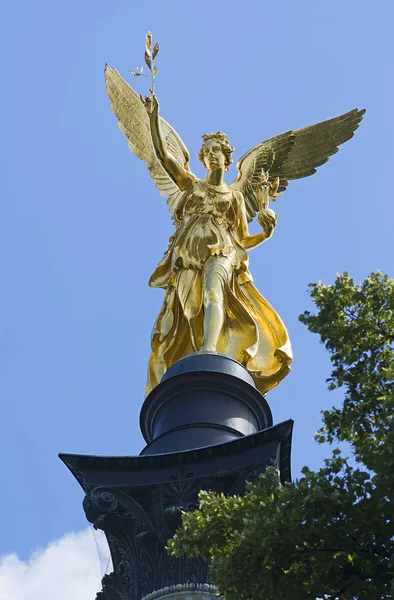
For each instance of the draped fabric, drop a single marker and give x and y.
(202, 252)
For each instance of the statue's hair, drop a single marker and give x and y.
(227, 148)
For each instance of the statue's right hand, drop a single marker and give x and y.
(151, 104)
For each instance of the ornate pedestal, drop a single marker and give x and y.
(206, 427)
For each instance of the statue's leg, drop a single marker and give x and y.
(189, 289)
(216, 274)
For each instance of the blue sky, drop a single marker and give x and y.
(82, 226)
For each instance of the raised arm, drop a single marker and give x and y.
(177, 172)
(266, 218)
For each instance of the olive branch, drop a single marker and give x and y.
(149, 56)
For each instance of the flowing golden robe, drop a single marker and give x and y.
(204, 247)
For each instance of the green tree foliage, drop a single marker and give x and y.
(329, 534)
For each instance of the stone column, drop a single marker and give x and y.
(206, 427)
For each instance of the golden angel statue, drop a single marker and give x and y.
(210, 301)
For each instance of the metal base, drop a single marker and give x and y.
(205, 398)
(137, 501)
(207, 427)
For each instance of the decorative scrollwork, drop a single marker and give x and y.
(138, 521)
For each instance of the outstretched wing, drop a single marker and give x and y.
(133, 121)
(293, 155)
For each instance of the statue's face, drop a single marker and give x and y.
(214, 158)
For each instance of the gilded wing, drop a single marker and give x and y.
(133, 121)
(293, 155)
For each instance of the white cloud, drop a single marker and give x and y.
(67, 568)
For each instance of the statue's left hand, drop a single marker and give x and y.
(267, 219)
